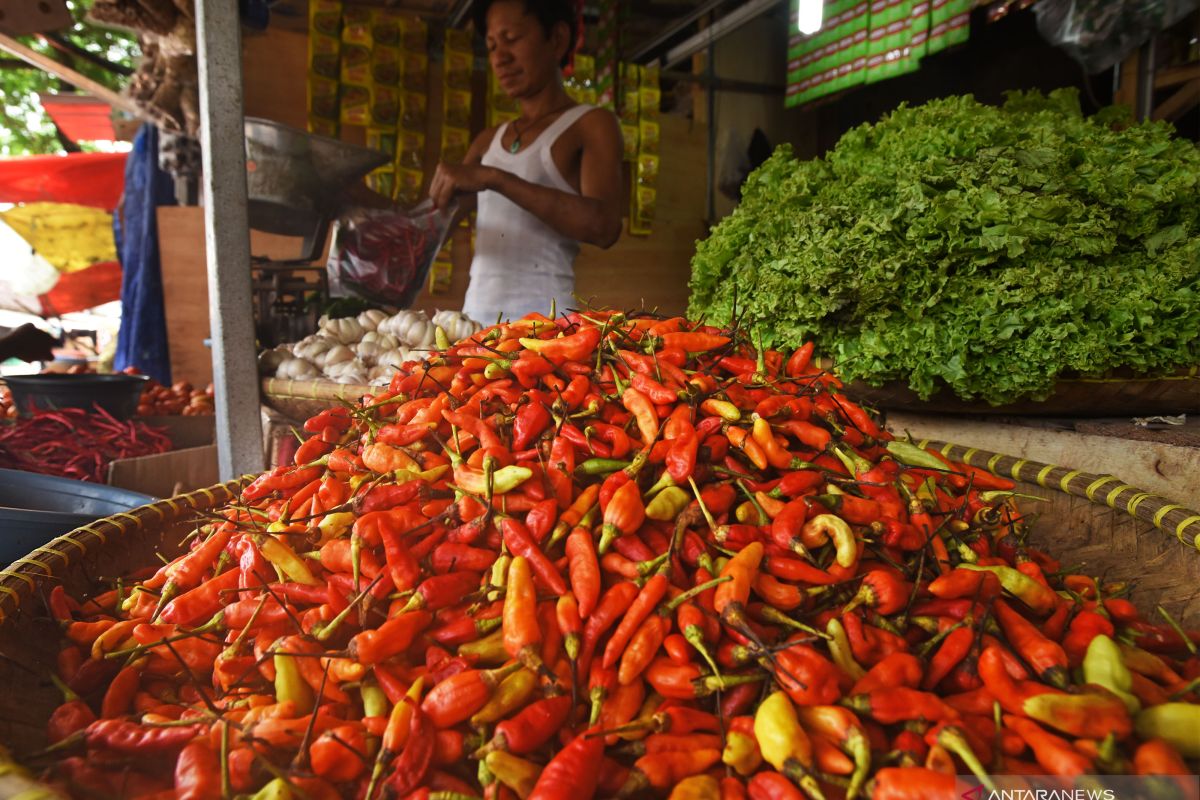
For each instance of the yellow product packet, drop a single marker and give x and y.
(458, 69)
(629, 137)
(355, 105)
(585, 69)
(649, 133)
(458, 108)
(455, 142)
(650, 75)
(323, 127)
(414, 34)
(382, 139)
(414, 111)
(356, 26)
(647, 169)
(325, 18)
(415, 76)
(385, 107)
(356, 65)
(324, 55)
(383, 181)
(459, 41)
(409, 183)
(649, 101)
(386, 65)
(412, 150)
(323, 97)
(385, 28)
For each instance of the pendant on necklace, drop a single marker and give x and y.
(516, 144)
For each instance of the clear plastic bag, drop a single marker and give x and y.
(1099, 33)
(385, 255)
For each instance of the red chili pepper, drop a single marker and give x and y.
(1047, 659)
(533, 418)
(394, 636)
(639, 609)
(131, 738)
(573, 773)
(623, 515)
(411, 766)
(532, 726)
(584, 570)
(694, 342)
(681, 458)
(808, 677)
(521, 543)
(69, 718)
(613, 603)
(897, 669)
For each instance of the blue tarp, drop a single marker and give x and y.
(142, 341)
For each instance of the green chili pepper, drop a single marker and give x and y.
(601, 466)
(667, 504)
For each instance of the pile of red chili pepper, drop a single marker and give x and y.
(611, 556)
(76, 443)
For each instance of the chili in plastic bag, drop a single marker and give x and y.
(385, 255)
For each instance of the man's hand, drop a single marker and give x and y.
(452, 179)
(27, 343)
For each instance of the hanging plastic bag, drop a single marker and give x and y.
(385, 255)
(1099, 33)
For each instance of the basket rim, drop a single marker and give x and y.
(19, 580)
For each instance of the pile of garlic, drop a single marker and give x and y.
(364, 350)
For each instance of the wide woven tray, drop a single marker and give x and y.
(1096, 522)
(1075, 397)
(302, 399)
(80, 560)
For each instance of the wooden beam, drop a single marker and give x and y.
(1175, 105)
(77, 79)
(1170, 76)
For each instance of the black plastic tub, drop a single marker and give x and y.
(36, 508)
(117, 394)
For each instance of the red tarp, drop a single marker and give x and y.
(89, 179)
(83, 289)
(80, 118)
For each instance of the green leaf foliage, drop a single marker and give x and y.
(988, 249)
(25, 127)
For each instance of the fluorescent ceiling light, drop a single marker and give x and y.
(809, 15)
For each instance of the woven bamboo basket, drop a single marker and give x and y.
(302, 399)
(1095, 522)
(82, 561)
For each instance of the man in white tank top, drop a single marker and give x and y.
(544, 182)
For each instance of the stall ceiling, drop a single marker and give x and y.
(23, 17)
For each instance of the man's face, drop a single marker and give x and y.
(523, 58)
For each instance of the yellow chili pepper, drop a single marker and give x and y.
(1176, 723)
(510, 695)
(784, 744)
(285, 558)
(290, 684)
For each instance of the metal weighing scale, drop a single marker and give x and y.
(295, 182)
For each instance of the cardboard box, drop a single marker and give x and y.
(166, 474)
(191, 465)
